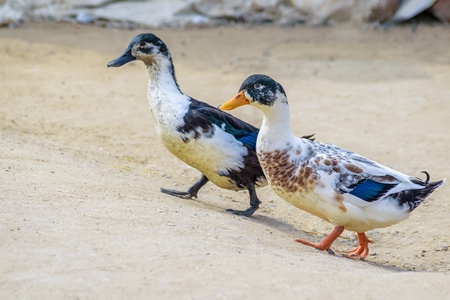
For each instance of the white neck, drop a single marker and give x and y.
(275, 130)
(162, 76)
(167, 103)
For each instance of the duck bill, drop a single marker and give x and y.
(237, 101)
(126, 57)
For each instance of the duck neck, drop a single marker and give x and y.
(275, 130)
(161, 74)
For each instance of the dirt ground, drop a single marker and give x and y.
(81, 165)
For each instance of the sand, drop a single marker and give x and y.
(81, 211)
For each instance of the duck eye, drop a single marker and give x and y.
(257, 86)
(142, 44)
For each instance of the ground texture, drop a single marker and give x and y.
(81, 165)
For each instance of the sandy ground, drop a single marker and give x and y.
(81, 165)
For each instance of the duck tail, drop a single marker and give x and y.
(415, 197)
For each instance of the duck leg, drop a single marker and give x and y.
(254, 202)
(362, 250)
(191, 192)
(325, 244)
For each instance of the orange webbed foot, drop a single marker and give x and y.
(325, 244)
(362, 250)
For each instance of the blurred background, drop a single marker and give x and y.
(187, 13)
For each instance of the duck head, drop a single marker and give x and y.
(257, 90)
(146, 47)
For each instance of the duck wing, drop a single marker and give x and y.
(407, 192)
(201, 118)
(366, 180)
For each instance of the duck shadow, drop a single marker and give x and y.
(286, 228)
(275, 224)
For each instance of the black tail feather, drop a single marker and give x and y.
(428, 176)
(309, 137)
(414, 198)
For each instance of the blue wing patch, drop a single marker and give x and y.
(370, 190)
(249, 140)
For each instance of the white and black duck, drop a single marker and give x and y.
(339, 186)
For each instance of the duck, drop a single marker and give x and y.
(219, 145)
(339, 186)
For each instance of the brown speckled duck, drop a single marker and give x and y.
(339, 186)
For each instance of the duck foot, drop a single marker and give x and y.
(183, 195)
(191, 192)
(325, 244)
(246, 213)
(254, 203)
(362, 250)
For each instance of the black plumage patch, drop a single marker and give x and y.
(413, 198)
(196, 123)
(201, 118)
(251, 172)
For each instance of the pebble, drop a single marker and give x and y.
(442, 248)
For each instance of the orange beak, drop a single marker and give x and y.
(237, 101)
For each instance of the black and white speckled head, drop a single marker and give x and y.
(257, 90)
(151, 50)
(262, 89)
(146, 47)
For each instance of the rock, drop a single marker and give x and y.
(84, 17)
(442, 248)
